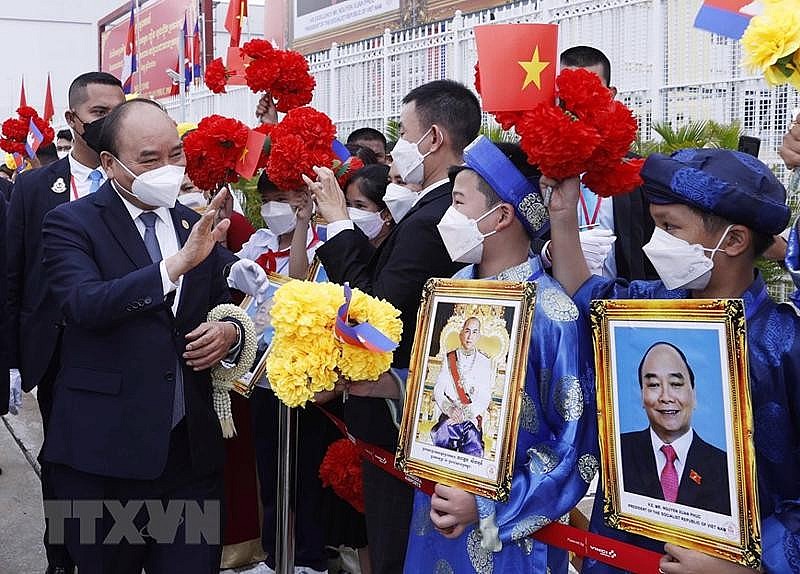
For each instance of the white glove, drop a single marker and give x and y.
(248, 277)
(15, 392)
(596, 244)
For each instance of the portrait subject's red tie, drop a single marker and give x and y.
(669, 476)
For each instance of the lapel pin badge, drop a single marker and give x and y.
(695, 476)
(185, 224)
(59, 186)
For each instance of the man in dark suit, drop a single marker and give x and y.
(4, 326)
(35, 320)
(626, 216)
(669, 460)
(437, 121)
(135, 275)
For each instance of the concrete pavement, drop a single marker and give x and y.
(21, 516)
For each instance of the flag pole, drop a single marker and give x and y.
(137, 9)
(182, 72)
(287, 466)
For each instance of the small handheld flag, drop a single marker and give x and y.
(34, 139)
(727, 18)
(518, 65)
(248, 162)
(362, 335)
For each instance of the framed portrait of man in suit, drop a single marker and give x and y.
(258, 311)
(464, 384)
(675, 423)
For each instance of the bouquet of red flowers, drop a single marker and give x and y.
(213, 149)
(341, 470)
(281, 73)
(588, 134)
(15, 131)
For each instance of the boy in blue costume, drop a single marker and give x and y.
(496, 211)
(716, 211)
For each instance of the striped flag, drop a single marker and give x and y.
(34, 139)
(197, 56)
(129, 59)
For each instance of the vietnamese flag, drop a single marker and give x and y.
(237, 11)
(248, 162)
(49, 111)
(518, 64)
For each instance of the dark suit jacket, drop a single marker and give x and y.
(34, 316)
(5, 358)
(396, 271)
(5, 189)
(112, 402)
(710, 489)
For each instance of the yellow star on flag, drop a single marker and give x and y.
(533, 69)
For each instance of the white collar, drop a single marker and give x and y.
(680, 444)
(135, 212)
(81, 172)
(265, 238)
(432, 186)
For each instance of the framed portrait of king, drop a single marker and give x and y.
(675, 423)
(465, 384)
(258, 311)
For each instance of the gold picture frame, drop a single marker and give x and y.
(260, 315)
(467, 332)
(316, 271)
(715, 507)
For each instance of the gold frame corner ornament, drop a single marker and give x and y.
(731, 314)
(518, 293)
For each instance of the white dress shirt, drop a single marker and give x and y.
(79, 175)
(338, 226)
(167, 241)
(605, 220)
(681, 446)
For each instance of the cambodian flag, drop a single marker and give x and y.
(188, 68)
(196, 55)
(725, 17)
(129, 59)
(34, 140)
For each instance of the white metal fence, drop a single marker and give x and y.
(664, 69)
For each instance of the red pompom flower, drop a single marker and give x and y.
(281, 73)
(15, 131)
(213, 149)
(217, 76)
(341, 470)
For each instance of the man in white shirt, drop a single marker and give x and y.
(668, 460)
(463, 391)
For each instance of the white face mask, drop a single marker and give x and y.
(409, 161)
(399, 200)
(158, 187)
(195, 200)
(679, 263)
(462, 238)
(279, 217)
(370, 222)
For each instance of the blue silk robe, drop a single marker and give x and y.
(773, 340)
(556, 455)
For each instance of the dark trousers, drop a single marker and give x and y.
(192, 544)
(57, 554)
(388, 502)
(310, 525)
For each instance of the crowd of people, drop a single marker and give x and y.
(113, 259)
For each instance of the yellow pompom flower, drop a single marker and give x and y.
(771, 42)
(305, 355)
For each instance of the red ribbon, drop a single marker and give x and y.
(580, 542)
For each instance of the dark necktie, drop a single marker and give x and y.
(154, 250)
(669, 475)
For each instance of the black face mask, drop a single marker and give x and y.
(91, 132)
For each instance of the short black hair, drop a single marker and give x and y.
(64, 135)
(368, 134)
(450, 105)
(47, 154)
(585, 56)
(112, 123)
(514, 153)
(264, 184)
(671, 346)
(366, 155)
(372, 181)
(713, 223)
(77, 90)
